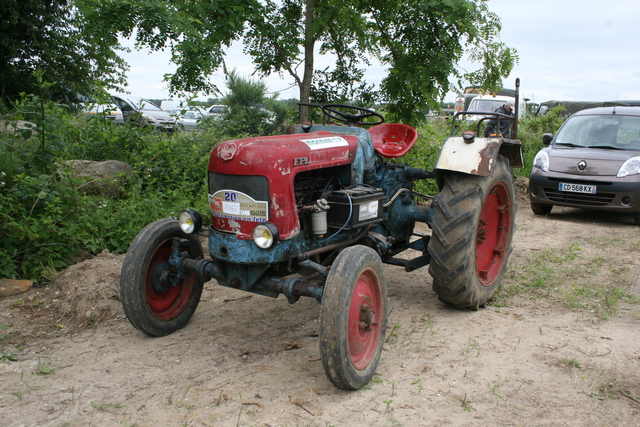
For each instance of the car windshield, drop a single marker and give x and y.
(148, 105)
(601, 131)
(488, 105)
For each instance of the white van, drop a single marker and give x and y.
(489, 104)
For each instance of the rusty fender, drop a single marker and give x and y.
(479, 156)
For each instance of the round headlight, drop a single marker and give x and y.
(190, 221)
(265, 235)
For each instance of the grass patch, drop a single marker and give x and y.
(594, 284)
(465, 403)
(571, 362)
(107, 407)
(44, 367)
(8, 357)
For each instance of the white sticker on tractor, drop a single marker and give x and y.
(368, 210)
(328, 142)
(236, 205)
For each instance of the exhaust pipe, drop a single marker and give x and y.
(514, 126)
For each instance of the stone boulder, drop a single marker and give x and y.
(100, 177)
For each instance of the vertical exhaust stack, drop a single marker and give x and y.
(514, 133)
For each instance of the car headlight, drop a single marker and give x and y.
(541, 161)
(630, 167)
(190, 221)
(265, 235)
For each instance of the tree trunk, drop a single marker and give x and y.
(309, 44)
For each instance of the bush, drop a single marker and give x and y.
(47, 223)
(530, 131)
(44, 224)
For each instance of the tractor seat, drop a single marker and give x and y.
(393, 139)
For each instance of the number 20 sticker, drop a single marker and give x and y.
(237, 205)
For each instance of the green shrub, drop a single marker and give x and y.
(530, 131)
(43, 220)
(47, 223)
(93, 137)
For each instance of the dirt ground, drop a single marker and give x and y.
(558, 347)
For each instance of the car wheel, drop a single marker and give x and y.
(539, 209)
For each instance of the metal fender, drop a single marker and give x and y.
(479, 156)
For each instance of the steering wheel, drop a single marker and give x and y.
(351, 119)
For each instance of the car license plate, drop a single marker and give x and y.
(577, 188)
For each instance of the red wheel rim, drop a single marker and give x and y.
(365, 318)
(170, 304)
(493, 234)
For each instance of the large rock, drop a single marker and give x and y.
(10, 287)
(101, 177)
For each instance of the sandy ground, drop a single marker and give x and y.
(558, 347)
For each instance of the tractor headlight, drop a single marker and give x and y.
(190, 221)
(265, 235)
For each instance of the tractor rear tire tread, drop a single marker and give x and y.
(453, 242)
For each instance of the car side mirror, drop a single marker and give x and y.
(546, 138)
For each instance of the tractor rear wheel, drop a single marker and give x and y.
(353, 318)
(155, 299)
(472, 232)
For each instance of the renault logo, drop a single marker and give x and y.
(582, 165)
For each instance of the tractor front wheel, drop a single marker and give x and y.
(156, 298)
(353, 318)
(472, 232)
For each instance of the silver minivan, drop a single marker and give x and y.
(593, 162)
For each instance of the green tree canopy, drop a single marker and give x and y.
(421, 42)
(53, 36)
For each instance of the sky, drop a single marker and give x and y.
(581, 50)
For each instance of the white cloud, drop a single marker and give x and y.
(573, 49)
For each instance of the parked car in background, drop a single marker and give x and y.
(189, 120)
(216, 110)
(592, 162)
(110, 112)
(172, 105)
(571, 107)
(144, 112)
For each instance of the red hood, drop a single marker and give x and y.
(278, 158)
